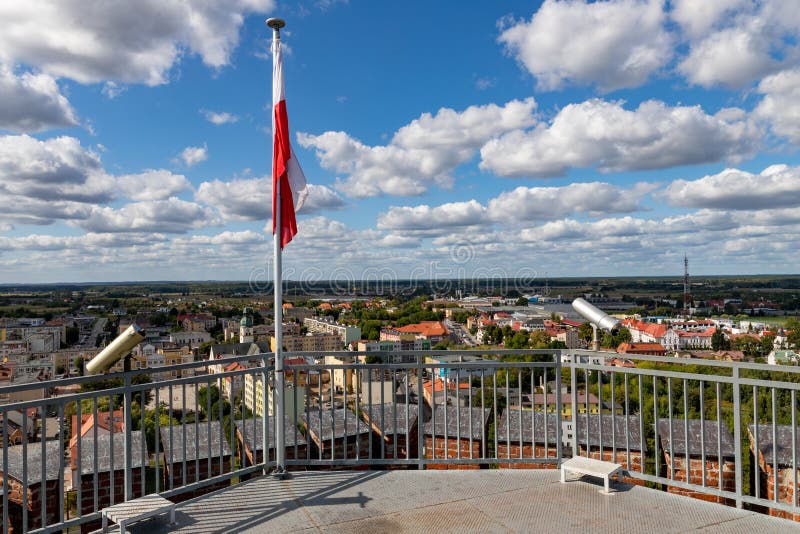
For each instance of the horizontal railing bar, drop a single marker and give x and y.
(652, 372)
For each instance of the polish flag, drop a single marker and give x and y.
(285, 169)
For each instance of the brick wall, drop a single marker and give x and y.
(528, 450)
(104, 493)
(713, 471)
(402, 448)
(451, 449)
(786, 487)
(34, 504)
(196, 472)
(620, 458)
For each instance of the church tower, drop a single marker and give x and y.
(246, 327)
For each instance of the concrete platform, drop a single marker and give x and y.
(451, 501)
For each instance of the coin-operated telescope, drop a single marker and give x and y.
(597, 318)
(117, 349)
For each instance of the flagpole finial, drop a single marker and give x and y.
(275, 23)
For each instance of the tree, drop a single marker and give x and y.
(72, 335)
(719, 341)
(585, 331)
(77, 363)
(522, 301)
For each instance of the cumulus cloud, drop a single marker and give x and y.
(219, 118)
(733, 189)
(733, 43)
(780, 106)
(32, 102)
(192, 155)
(612, 44)
(87, 243)
(226, 238)
(423, 152)
(121, 41)
(697, 18)
(602, 134)
(628, 226)
(171, 216)
(251, 198)
(425, 217)
(56, 169)
(153, 184)
(545, 203)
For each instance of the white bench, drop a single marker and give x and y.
(591, 467)
(135, 510)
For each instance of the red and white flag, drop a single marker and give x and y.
(285, 168)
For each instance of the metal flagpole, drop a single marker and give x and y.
(278, 391)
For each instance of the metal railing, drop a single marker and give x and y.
(696, 427)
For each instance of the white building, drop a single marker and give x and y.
(348, 334)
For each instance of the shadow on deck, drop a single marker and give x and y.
(451, 501)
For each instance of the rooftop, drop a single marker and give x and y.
(512, 500)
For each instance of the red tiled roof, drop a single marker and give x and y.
(642, 348)
(425, 328)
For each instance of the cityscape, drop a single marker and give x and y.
(343, 266)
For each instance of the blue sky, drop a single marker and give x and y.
(440, 139)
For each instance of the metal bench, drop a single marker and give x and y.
(135, 510)
(591, 467)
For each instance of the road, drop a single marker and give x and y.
(460, 333)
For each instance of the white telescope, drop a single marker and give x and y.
(116, 350)
(597, 317)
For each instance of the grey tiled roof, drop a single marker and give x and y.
(393, 417)
(452, 427)
(104, 452)
(247, 432)
(710, 437)
(614, 431)
(232, 349)
(532, 426)
(784, 440)
(52, 452)
(197, 442)
(333, 424)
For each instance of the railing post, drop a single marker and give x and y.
(264, 414)
(574, 407)
(737, 435)
(420, 401)
(128, 400)
(559, 418)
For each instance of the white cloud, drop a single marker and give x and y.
(112, 90)
(423, 152)
(32, 102)
(171, 216)
(153, 184)
(192, 155)
(602, 134)
(226, 238)
(697, 18)
(731, 57)
(734, 189)
(547, 203)
(780, 106)
(251, 198)
(219, 118)
(55, 169)
(614, 44)
(425, 217)
(733, 43)
(615, 228)
(119, 40)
